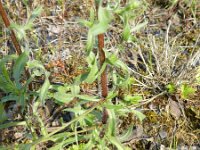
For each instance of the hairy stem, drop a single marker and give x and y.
(7, 24)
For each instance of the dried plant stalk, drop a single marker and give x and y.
(104, 81)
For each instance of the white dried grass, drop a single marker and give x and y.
(167, 66)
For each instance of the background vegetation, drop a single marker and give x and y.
(52, 87)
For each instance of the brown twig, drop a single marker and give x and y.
(104, 80)
(102, 58)
(7, 24)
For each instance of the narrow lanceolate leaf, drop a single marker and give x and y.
(140, 115)
(116, 142)
(22, 100)
(90, 42)
(92, 74)
(112, 59)
(44, 90)
(99, 28)
(131, 6)
(111, 123)
(20, 29)
(134, 99)
(121, 65)
(126, 32)
(35, 13)
(6, 84)
(92, 15)
(85, 23)
(104, 15)
(19, 66)
(35, 64)
(63, 97)
(139, 26)
(88, 98)
(92, 61)
(75, 90)
(125, 136)
(3, 115)
(10, 124)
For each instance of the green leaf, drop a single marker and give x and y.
(35, 64)
(186, 91)
(25, 2)
(75, 90)
(5, 83)
(90, 42)
(9, 97)
(104, 15)
(22, 100)
(111, 95)
(19, 66)
(126, 32)
(116, 142)
(63, 97)
(3, 148)
(140, 115)
(133, 99)
(36, 12)
(112, 59)
(3, 115)
(121, 65)
(171, 88)
(88, 98)
(131, 6)
(126, 135)
(92, 75)
(11, 124)
(63, 89)
(79, 79)
(115, 107)
(99, 28)
(139, 26)
(92, 15)
(8, 58)
(20, 29)
(85, 23)
(111, 123)
(23, 146)
(89, 23)
(44, 90)
(37, 68)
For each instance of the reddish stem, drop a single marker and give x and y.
(13, 37)
(7, 24)
(102, 58)
(104, 81)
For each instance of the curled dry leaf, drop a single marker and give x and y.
(174, 109)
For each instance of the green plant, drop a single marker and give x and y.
(186, 91)
(87, 120)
